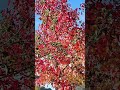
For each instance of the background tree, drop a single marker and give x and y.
(43, 88)
(59, 45)
(102, 44)
(17, 46)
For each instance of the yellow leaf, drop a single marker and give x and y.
(36, 88)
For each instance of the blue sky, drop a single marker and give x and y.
(74, 4)
(3, 5)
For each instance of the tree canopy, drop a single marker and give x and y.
(59, 45)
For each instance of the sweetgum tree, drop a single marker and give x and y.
(17, 46)
(102, 44)
(59, 46)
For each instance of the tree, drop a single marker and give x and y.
(102, 44)
(43, 88)
(17, 46)
(59, 46)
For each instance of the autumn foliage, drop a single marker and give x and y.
(17, 46)
(102, 45)
(59, 45)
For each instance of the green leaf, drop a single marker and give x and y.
(49, 56)
(56, 44)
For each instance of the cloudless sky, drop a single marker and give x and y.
(3, 5)
(74, 4)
